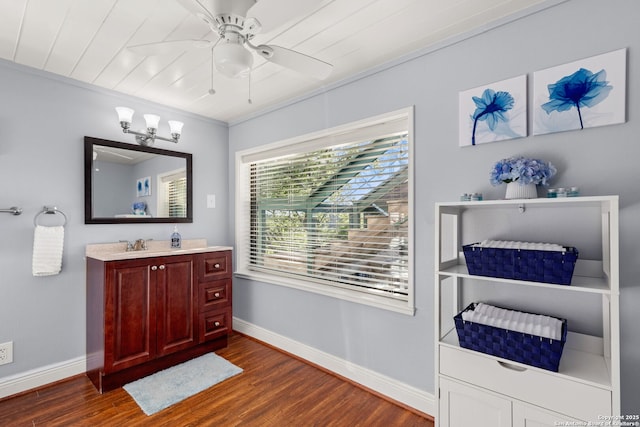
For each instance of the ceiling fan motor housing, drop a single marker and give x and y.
(224, 21)
(229, 12)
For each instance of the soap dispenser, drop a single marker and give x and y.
(176, 239)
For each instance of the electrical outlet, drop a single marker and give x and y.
(6, 353)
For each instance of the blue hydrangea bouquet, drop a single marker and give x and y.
(522, 175)
(523, 171)
(139, 208)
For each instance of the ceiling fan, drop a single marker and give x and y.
(236, 22)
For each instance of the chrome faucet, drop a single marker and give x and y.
(138, 245)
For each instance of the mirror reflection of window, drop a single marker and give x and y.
(172, 197)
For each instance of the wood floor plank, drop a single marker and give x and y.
(274, 390)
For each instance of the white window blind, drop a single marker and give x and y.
(336, 215)
(172, 200)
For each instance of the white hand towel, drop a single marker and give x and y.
(556, 329)
(527, 323)
(48, 243)
(482, 308)
(547, 329)
(537, 329)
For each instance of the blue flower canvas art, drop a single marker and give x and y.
(493, 112)
(581, 94)
(143, 187)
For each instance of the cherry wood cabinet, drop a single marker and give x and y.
(214, 295)
(149, 310)
(147, 314)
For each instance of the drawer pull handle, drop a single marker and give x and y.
(217, 295)
(154, 267)
(216, 324)
(161, 267)
(511, 367)
(217, 265)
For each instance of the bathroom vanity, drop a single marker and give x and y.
(149, 310)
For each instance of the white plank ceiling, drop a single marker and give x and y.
(87, 40)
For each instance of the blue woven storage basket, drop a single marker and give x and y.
(532, 350)
(522, 264)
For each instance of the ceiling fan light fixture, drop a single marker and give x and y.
(233, 60)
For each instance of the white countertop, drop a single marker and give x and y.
(118, 251)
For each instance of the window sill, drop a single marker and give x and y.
(385, 303)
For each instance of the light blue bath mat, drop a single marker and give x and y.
(164, 388)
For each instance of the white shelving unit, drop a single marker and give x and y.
(500, 392)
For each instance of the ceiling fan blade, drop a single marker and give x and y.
(273, 13)
(196, 8)
(296, 61)
(168, 47)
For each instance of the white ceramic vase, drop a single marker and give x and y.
(517, 191)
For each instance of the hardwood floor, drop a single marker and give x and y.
(275, 389)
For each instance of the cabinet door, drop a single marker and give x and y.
(532, 416)
(130, 315)
(176, 310)
(463, 406)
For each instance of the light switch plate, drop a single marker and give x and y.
(211, 201)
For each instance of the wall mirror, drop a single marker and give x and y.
(126, 183)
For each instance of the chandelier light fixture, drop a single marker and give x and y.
(125, 116)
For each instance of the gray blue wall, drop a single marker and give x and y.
(601, 161)
(109, 180)
(43, 121)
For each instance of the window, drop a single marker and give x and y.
(331, 212)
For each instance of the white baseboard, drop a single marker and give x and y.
(401, 392)
(398, 391)
(41, 376)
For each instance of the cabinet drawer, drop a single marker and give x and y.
(213, 295)
(214, 265)
(549, 390)
(214, 324)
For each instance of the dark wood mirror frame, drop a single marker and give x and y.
(89, 217)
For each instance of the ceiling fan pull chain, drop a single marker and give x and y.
(249, 100)
(211, 89)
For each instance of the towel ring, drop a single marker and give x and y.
(52, 210)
